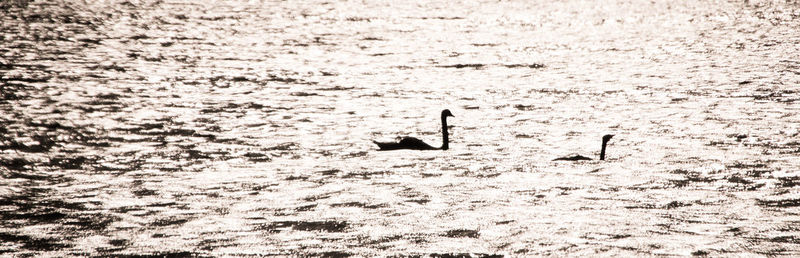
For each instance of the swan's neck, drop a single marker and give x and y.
(603, 151)
(445, 135)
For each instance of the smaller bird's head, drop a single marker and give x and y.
(607, 137)
(446, 113)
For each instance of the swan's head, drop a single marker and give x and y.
(607, 137)
(446, 113)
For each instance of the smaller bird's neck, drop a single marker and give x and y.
(603, 151)
(445, 135)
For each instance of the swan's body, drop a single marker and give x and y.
(606, 138)
(411, 143)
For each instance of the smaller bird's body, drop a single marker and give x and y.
(574, 158)
(606, 138)
(411, 143)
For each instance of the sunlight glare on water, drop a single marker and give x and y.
(244, 128)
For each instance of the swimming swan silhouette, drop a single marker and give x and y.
(606, 138)
(411, 143)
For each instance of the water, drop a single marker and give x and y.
(225, 128)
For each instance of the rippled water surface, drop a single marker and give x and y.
(225, 128)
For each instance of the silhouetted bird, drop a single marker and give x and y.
(412, 143)
(606, 138)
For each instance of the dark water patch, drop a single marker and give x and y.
(419, 201)
(233, 141)
(172, 254)
(355, 154)
(31, 209)
(125, 162)
(740, 165)
(306, 207)
(169, 222)
(50, 125)
(20, 164)
(738, 137)
(360, 205)
(329, 172)
(441, 18)
(775, 252)
(366, 174)
(605, 236)
(791, 226)
(461, 66)
(71, 163)
(37, 217)
(36, 177)
(227, 81)
(481, 175)
(380, 240)
(14, 4)
(526, 107)
(464, 255)
(286, 80)
(690, 178)
(109, 67)
(785, 239)
(532, 66)
(780, 96)
(119, 242)
(142, 192)
(410, 165)
(127, 209)
(14, 91)
(45, 143)
(398, 67)
(667, 206)
(256, 188)
(416, 238)
(289, 146)
(178, 132)
(303, 94)
(358, 19)
(785, 203)
(326, 226)
(95, 221)
(212, 244)
(456, 233)
(34, 243)
(336, 88)
(28, 78)
(738, 180)
(314, 198)
(293, 178)
(257, 157)
(168, 204)
(789, 182)
(329, 254)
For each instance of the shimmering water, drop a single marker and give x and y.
(238, 128)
